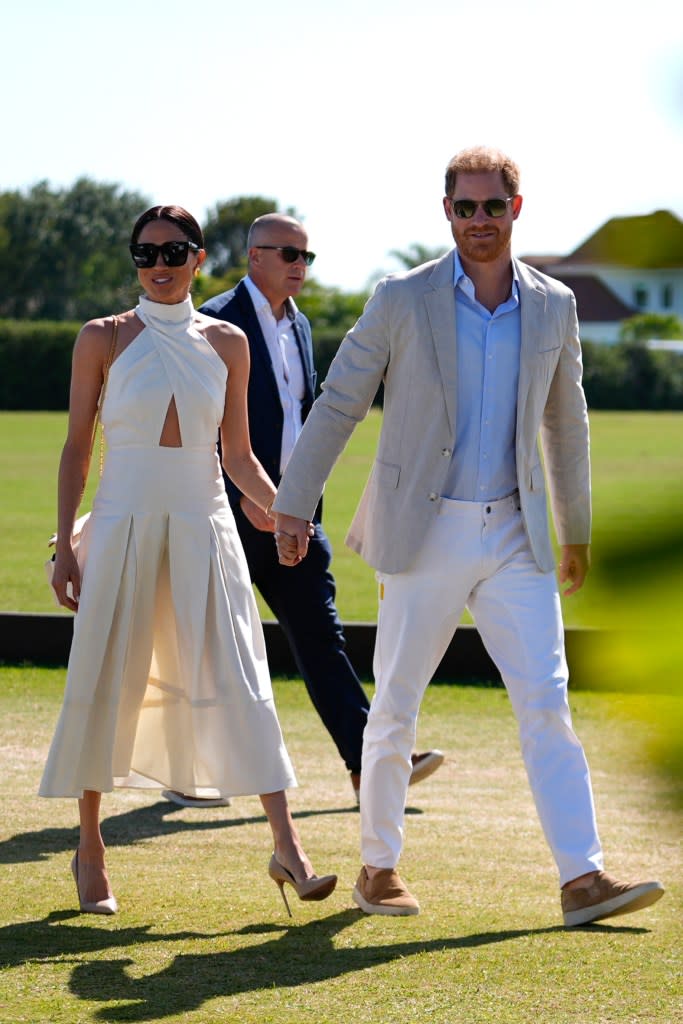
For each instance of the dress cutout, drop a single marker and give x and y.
(168, 683)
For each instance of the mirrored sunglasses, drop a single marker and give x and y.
(290, 253)
(174, 254)
(466, 208)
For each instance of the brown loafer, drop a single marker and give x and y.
(385, 893)
(607, 897)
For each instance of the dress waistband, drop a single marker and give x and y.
(160, 479)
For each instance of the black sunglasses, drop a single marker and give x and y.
(290, 253)
(466, 208)
(174, 254)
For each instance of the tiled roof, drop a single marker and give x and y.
(595, 302)
(647, 242)
(542, 263)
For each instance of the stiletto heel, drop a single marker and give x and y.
(313, 888)
(281, 886)
(106, 906)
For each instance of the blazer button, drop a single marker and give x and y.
(433, 496)
(446, 452)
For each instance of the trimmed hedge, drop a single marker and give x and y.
(630, 376)
(35, 366)
(625, 376)
(35, 363)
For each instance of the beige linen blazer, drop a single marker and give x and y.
(406, 338)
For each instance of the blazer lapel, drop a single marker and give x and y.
(304, 355)
(532, 300)
(440, 302)
(257, 343)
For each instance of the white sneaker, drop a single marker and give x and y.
(425, 765)
(183, 800)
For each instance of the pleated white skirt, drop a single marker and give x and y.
(168, 683)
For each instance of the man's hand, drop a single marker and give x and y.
(575, 562)
(256, 516)
(291, 537)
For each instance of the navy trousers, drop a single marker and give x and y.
(301, 598)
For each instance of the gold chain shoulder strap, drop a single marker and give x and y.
(100, 403)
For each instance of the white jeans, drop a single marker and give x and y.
(476, 556)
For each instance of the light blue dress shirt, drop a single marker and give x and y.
(483, 466)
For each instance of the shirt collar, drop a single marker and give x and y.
(261, 304)
(460, 277)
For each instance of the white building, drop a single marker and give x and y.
(630, 265)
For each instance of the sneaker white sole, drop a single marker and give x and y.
(636, 899)
(426, 767)
(378, 908)
(189, 801)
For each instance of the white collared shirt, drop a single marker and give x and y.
(286, 359)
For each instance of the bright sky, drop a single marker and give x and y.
(349, 110)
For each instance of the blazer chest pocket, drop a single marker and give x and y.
(387, 475)
(552, 335)
(546, 344)
(545, 364)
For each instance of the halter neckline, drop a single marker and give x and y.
(175, 313)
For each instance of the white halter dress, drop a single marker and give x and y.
(168, 683)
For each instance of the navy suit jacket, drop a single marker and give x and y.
(264, 406)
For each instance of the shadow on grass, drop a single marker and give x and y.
(132, 827)
(287, 957)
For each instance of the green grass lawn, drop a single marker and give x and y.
(202, 936)
(637, 469)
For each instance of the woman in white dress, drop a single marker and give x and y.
(168, 683)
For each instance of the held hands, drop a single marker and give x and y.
(66, 579)
(291, 537)
(256, 516)
(575, 562)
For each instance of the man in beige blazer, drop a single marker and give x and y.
(480, 357)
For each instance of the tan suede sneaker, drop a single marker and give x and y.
(384, 894)
(606, 897)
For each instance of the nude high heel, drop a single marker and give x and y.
(313, 888)
(106, 906)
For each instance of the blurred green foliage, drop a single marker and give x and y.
(645, 326)
(629, 375)
(640, 579)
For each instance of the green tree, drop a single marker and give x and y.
(227, 227)
(417, 254)
(629, 375)
(330, 308)
(646, 326)
(205, 286)
(64, 252)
